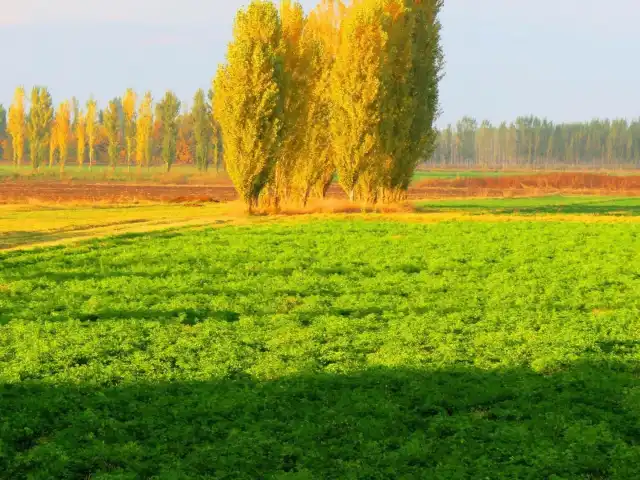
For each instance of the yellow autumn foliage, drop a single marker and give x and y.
(129, 111)
(17, 126)
(319, 46)
(144, 129)
(91, 128)
(356, 90)
(81, 137)
(62, 129)
(248, 99)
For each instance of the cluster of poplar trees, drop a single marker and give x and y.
(128, 131)
(533, 142)
(350, 89)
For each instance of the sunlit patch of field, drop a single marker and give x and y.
(28, 225)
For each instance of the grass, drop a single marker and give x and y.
(185, 174)
(590, 205)
(325, 349)
(41, 224)
(24, 225)
(452, 174)
(189, 175)
(180, 174)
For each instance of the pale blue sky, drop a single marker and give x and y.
(563, 59)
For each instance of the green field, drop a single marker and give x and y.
(452, 174)
(180, 174)
(183, 174)
(556, 204)
(359, 348)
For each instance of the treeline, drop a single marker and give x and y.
(533, 142)
(348, 90)
(128, 132)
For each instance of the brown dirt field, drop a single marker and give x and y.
(508, 186)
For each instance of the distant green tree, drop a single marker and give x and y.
(168, 110)
(3, 129)
(39, 124)
(111, 121)
(202, 129)
(216, 136)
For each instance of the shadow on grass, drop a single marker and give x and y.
(582, 421)
(509, 207)
(18, 238)
(186, 316)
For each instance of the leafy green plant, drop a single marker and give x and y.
(326, 349)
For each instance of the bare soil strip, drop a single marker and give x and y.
(507, 186)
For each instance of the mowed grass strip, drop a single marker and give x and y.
(325, 349)
(24, 226)
(545, 205)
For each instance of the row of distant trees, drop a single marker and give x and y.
(349, 90)
(533, 142)
(128, 131)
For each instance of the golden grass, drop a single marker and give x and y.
(29, 225)
(37, 225)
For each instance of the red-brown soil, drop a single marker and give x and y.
(507, 186)
(557, 181)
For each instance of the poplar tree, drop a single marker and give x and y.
(216, 136)
(202, 129)
(111, 121)
(53, 144)
(17, 126)
(144, 128)
(129, 113)
(169, 109)
(92, 108)
(320, 41)
(39, 125)
(74, 105)
(356, 93)
(62, 130)
(3, 129)
(411, 71)
(81, 136)
(248, 101)
(295, 81)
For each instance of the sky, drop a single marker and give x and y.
(566, 60)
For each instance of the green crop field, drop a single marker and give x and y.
(451, 174)
(185, 174)
(341, 348)
(591, 205)
(180, 174)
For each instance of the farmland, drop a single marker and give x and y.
(186, 184)
(471, 340)
(308, 268)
